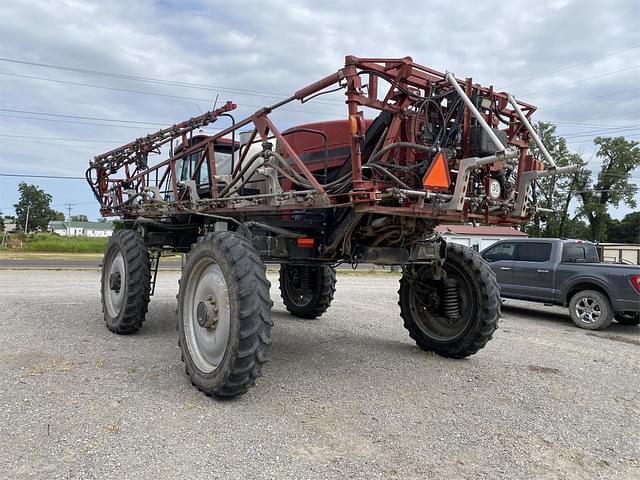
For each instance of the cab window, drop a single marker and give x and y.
(534, 252)
(501, 251)
(579, 253)
(185, 169)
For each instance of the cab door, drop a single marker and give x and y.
(500, 258)
(533, 272)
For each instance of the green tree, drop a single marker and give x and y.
(613, 186)
(554, 192)
(576, 228)
(626, 230)
(58, 216)
(79, 218)
(1, 223)
(33, 209)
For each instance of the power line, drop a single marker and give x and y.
(607, 116)
(585, 140)
(83, 118)
(58, 138)
(60, 177)
(208, 127)
(146, 79)
(591, 98)
(600, 132)
(573, 65)
(584, 125)
(79, 84)
(58, 144)
(607, 134)
(72, 122)
(585, 191)
(550, 89)
(145, 92)
(256, 92)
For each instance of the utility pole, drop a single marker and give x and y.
(26, 222)
(68, 205)
(4, 233)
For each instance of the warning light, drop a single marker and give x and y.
(305, 242)
(437, 176)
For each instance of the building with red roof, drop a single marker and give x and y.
(477, 237)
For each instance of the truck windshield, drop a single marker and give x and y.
(579, 253)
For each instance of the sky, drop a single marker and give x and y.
(578, 61)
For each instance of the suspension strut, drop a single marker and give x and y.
(451, 304)
(305, 278)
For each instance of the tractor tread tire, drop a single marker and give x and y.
(245, 274)
(138, 275)
(487, 314)
(321, 300)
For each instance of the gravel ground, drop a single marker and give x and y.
(348, 396)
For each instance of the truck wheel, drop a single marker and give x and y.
(125, 282)
(307, 290)
(224, 314)
(427, 305)
(590, 309)
(627, 318)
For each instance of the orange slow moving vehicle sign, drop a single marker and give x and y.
(437, 176)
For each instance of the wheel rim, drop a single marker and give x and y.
(432, 321)
(588, 310)
(299, 285)
(114, 285)
(206, 315)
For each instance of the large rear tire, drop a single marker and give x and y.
(423, 304)
(125, 282)
(224, 314)
(307, 290)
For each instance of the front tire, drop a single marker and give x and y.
(423, 306)
(224, 314)
(630, 319)
(307, 290)
(125, 282)
(591, 310)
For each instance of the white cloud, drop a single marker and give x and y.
(280, 46)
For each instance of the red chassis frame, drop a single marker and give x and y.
(141, 183)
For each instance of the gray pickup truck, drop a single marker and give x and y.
(568, 273)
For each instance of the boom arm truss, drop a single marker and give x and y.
(427, 113)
